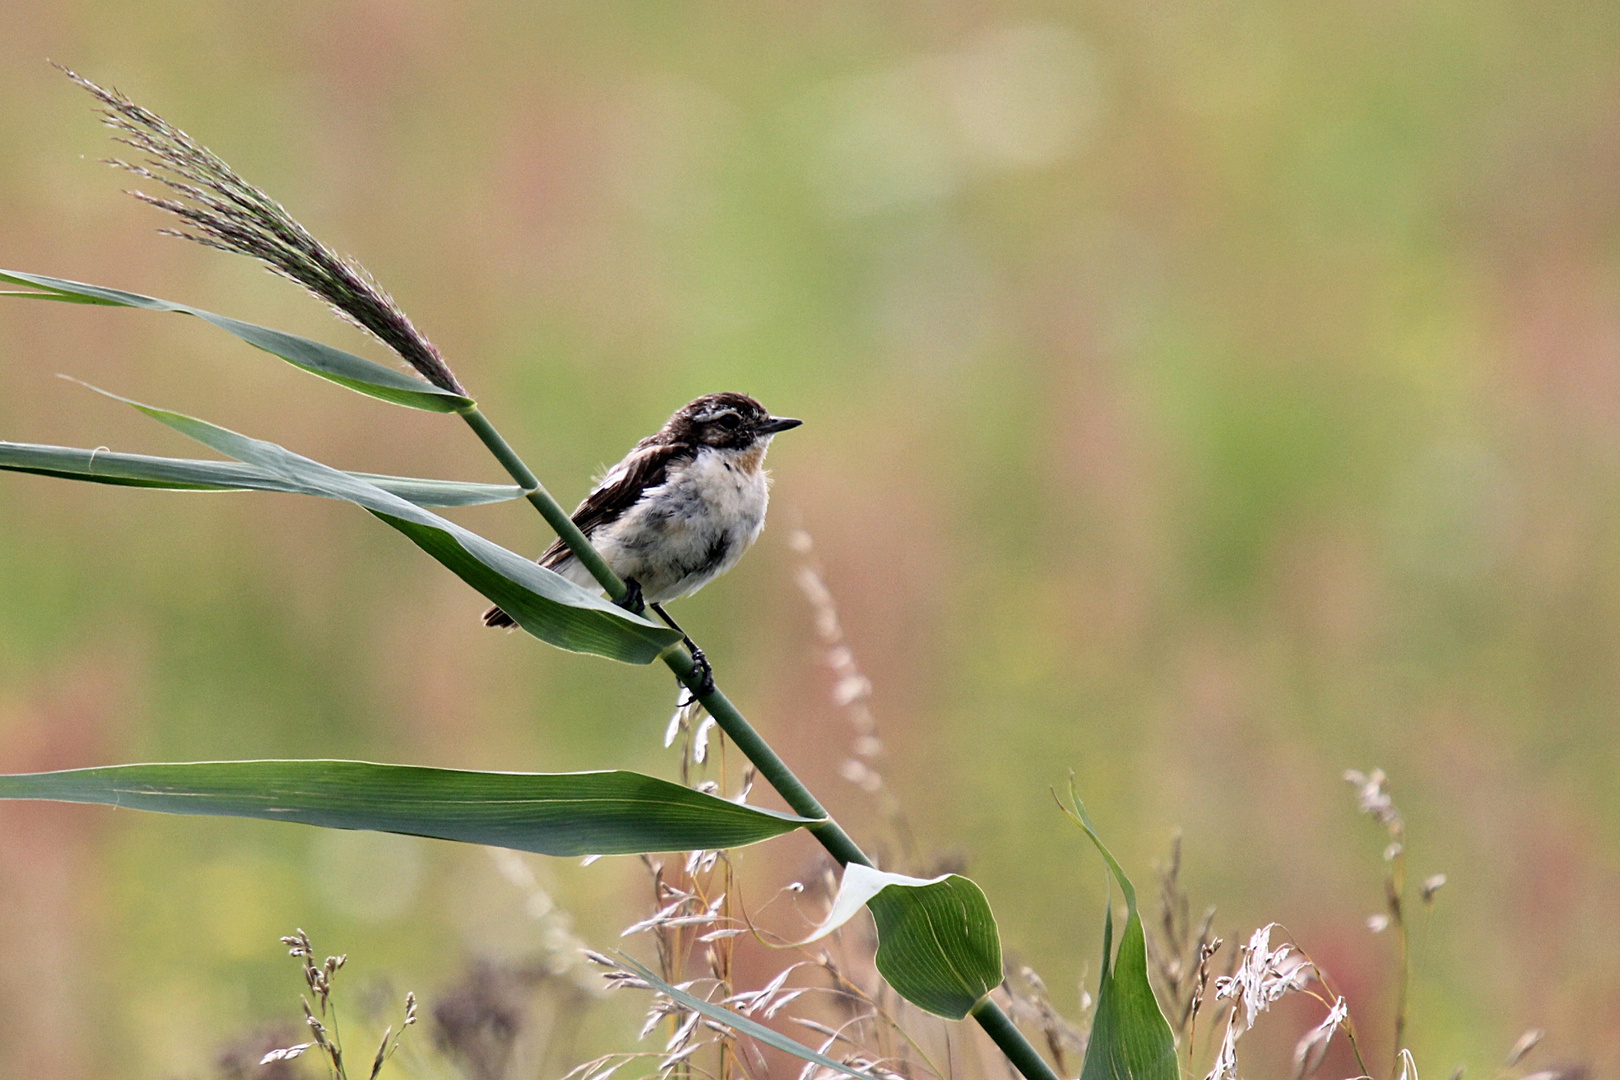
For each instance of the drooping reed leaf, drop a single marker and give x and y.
(937, 940)
(190, 474)
(584, 813)
(938, 945)
(543, 603)
(343, 368)
(1130, 1038)
(741, 1023)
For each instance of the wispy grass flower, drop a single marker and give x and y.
(1311, 1049)
(1263, 976)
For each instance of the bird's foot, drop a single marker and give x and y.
(632, 601)
(702, 669)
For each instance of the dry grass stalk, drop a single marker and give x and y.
(319, 978)
(1030, 1002)
(852, 693)
(1374, 799)
(696, 922)
(1263, 976)
(1179, 954)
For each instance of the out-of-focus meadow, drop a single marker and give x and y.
(1207, 398)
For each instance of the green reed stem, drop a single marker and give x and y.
(771, 767)
(1001, 1030)
(1025, 1058)
(549, 508)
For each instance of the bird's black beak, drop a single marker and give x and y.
(778, 423)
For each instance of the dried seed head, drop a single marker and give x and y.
(382, 1053)
(231, 214)
(1527, 1042)
(671, 1060)
(1265, 974)
(1262, 976)
(1311, 1049)
(700, 740)
(1373, 799)
(316, 1028)
(1432, 885)
(683, 1031)
(287, 1053)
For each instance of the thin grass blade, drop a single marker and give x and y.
(741, 1024)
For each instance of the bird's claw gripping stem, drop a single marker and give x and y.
(702, 669)
(631, 601)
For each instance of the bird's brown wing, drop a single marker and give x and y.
(644, 467)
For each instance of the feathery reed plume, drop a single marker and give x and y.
(231, 214)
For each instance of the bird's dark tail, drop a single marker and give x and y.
(496, 617)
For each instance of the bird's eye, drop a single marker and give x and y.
(730, 421)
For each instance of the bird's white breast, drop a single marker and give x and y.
(693, 527)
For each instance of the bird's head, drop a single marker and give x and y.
(726, 422)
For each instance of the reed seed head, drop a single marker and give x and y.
(221, 210)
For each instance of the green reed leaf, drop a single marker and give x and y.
(584, 813)
(1130, 1038)
(937, 940)
(740, 1023)
(190, 474)
(937, 944)
(545, 604)
(343, 368)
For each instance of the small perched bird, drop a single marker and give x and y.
(680, 509)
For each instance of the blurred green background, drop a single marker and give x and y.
(1205, 397)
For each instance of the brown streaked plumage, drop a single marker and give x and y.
(682, 506)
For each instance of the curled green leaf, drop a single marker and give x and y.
(937, 940)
